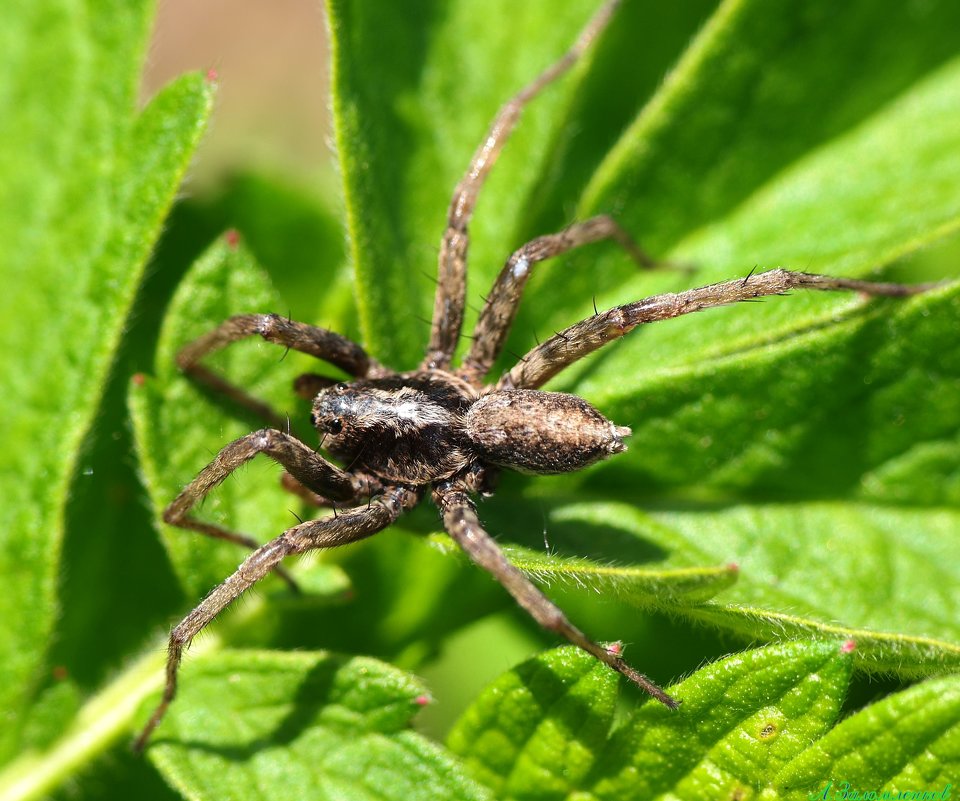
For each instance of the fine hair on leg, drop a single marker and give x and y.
(329, 346)
(451, 293)
(500, 309)
(462, 524)
(573, 343)
(309, 467)
(329, 532)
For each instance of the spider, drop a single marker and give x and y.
(440, 430)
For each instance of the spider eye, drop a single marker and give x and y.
(335, 426)
(341, 387)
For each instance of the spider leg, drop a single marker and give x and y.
(319, 342)
(573, 343)
(451, 287)
(461, 522)
(499, 311)
(326, 533)
(309, 468)
(369, 486)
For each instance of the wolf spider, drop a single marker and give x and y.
(439, 429)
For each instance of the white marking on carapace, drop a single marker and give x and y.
(521, 268)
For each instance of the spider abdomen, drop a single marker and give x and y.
(541, 432)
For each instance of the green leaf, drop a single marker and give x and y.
(641, 586)
(543, 730)
(295, 233)
(908, 742)
(260, 724)
(775, 398)
(754, 155)
(741, 721)
(180, 426)
(824, 569)
(86, 185)
(756, 93)
(620, 80)
(535, 732)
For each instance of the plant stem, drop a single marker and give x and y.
(105, 718)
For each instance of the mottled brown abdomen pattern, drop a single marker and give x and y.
(541, 432)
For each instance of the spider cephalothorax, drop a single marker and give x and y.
(405, 428)
(440, 430)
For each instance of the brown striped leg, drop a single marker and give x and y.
(461, 522)
(327, 533)
(500, 309)
(310, 469)
(452, 285)
(319, 342)
(367, 486)
(573, 343)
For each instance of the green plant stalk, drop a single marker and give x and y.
(105, 718)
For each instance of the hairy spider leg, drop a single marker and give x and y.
(452, 285)
(461, 522)
(329, 532)
(309, 468)
(502, 303)
(368, 486)
(573, 343)
(319, 342)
